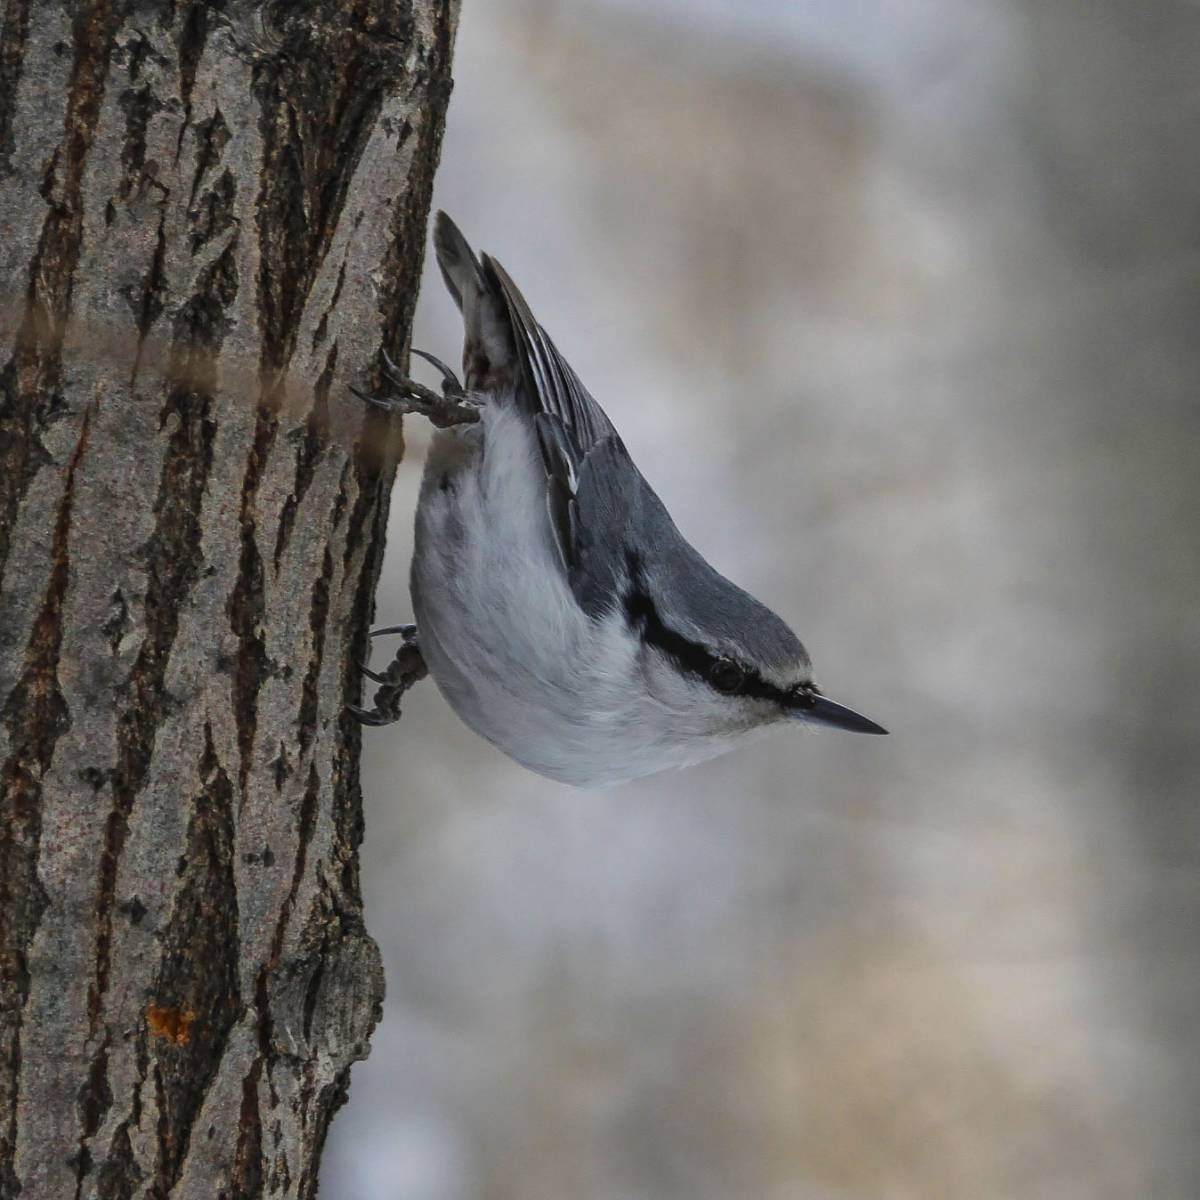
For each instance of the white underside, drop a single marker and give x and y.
(520, 662)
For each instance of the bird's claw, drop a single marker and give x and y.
(388, 406)
(405, 669)
(451, 384)
(373, 717)
(452, 407)
(407, 632)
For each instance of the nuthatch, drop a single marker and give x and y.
(560, 611)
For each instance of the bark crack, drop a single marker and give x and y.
(198, 967)
(173, 561)
(36, 716)
(247, 601)
(13, 36)
(33, 372)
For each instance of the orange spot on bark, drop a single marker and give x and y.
(174, 1024)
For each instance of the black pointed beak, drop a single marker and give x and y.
(820, 710)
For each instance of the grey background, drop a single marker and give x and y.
(896, 305)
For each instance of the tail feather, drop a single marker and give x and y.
(489, 353)
(460, 267)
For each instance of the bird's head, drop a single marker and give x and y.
(719, 659)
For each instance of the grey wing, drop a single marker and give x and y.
(590, 479)
(590, 500)
(562, 461)
(610, 495)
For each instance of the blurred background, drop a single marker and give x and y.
(897, 306)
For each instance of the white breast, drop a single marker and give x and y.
(512, 652)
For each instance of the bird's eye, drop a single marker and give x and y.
(726, 676)
(803, 695)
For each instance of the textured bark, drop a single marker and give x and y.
(211, 217)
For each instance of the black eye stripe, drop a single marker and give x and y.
(640, 612)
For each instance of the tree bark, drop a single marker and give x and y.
(212, 215)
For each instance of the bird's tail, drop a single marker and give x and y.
(490, 360)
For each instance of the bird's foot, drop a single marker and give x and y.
(405, 669)
(452, 388)
(453, 407)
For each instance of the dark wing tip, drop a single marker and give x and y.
(553, 385)
(529, 338)
(520, 312)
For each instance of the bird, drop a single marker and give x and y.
(558, 608)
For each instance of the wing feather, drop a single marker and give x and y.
(591, 482)
(571, 427)
(550, 384)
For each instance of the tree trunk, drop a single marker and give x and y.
(211, 217)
